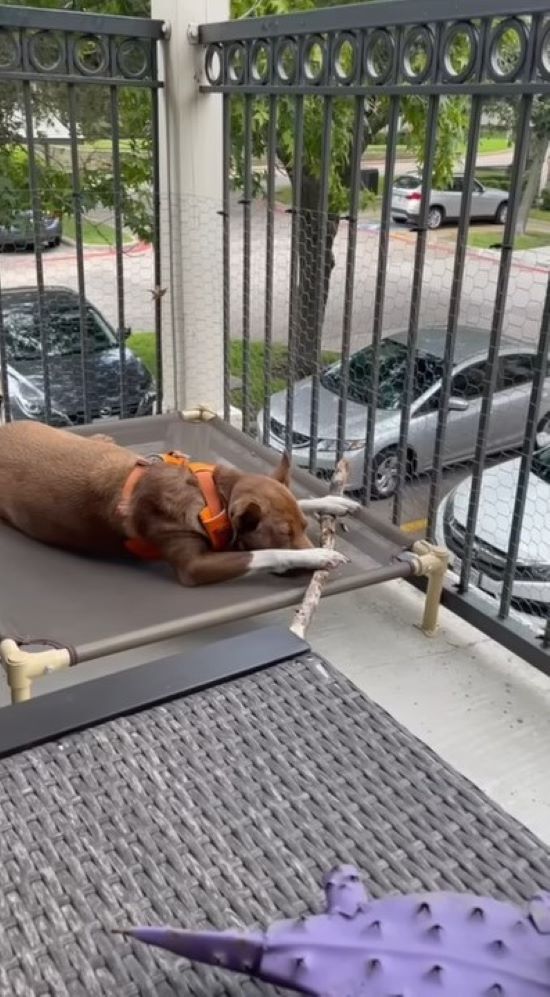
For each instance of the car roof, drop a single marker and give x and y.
(418, 178)
(28, 295)
(470, 342)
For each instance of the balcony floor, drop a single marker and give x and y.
(478, 706)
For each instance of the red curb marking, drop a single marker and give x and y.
(138, 250)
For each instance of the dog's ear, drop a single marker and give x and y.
(245, 514)
(282, 471)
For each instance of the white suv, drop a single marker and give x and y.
(487, 203)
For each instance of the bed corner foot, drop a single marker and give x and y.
(22, 667)
(433, 562)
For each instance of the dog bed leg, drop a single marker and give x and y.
(22, 667)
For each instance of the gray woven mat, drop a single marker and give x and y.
(225, 809)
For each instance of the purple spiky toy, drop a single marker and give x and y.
(423, 945)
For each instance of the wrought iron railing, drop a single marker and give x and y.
(65, 79)
(325, 281)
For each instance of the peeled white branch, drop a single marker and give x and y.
(312, 595)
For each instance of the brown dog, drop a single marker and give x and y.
(90, 495)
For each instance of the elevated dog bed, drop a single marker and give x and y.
(90, 607)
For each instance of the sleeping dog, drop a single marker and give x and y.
(211, 523)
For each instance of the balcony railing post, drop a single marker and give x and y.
(191, 182)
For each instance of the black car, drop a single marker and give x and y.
(62, 329)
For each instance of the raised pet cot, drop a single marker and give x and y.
(81, 608)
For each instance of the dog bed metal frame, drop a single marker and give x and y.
(82, 608)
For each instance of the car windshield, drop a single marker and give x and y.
(392, 372)
(541, 464)
(22, 331)
(407, 183)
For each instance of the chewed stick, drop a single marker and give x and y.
(312, 595)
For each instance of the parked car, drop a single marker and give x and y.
(27, 402)
(531, 583)
(19, 233)
(62, 331)
(488, 204)
(514, 377)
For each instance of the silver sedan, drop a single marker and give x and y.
(516, 364)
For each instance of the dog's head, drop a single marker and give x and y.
(264, 513)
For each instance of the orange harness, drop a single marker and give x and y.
(214, 517)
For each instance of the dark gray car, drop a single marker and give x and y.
(63, 336)
(19, 232)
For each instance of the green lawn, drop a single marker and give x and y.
(93, 233)
(105, 145)
(143, 345)
(493, 143)
(539, 215)
(488, 143)
(487, 240)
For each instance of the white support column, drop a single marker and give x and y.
(191, 196)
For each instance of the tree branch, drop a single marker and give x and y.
(310, 601)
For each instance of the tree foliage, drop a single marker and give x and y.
(96, 179)
(50, 104)
(316, 237)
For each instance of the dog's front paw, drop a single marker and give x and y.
(313, 559)
(339, 505)
(330, 505)
(280, 562)
(328, 559)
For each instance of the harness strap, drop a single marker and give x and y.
(213, 516)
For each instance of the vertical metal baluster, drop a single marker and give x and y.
(416, 295)
(37, 232)
(454, 311)
(226, 241)
(320, 283)
(355, 190)
(119, 244)
(269, 259)
(157, 259)
(528, 448)
(169, 233)
(5, 407)
(294, 257)
(518, 168)
(246, 202)
(380, 296)
(75, 166)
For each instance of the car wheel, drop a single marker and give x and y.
(543, 432)
(435, 218)
(384, 478)
(502, 213)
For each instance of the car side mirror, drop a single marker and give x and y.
(457, 404)
(125, 332)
